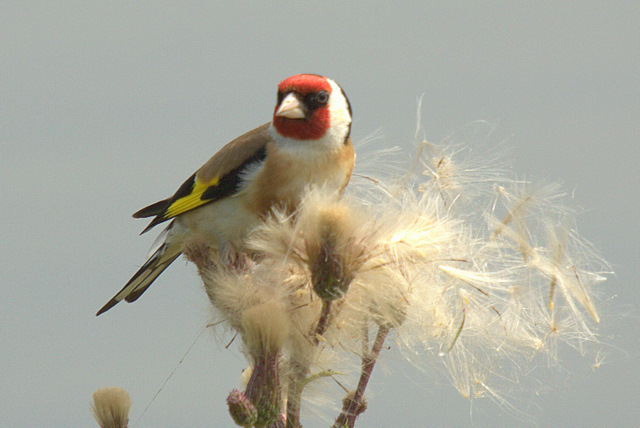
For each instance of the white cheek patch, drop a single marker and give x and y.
(340, 116)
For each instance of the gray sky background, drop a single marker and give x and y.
(106, 107)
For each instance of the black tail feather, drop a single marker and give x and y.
(110, 304)
(150, 277)
(142, 279)
(153, 209)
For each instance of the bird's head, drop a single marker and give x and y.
(311, 108)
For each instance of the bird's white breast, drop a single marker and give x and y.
(222, 222)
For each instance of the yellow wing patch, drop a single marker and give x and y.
(192, 200)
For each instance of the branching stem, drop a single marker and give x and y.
(352, 406)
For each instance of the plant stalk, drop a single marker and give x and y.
(297, 379)
(352, 406)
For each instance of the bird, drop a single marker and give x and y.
(307, 143)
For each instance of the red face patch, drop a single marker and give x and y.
(316, 125)
(304, 84)
(304, 129)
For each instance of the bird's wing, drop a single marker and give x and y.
(218, 178)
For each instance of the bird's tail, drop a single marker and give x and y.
(161, 258)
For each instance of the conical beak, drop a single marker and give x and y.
(291, 108)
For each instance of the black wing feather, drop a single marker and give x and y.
(153, 209)
(228, 185)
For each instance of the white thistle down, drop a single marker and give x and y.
(110, 407)
(454, 261)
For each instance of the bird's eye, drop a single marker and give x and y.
(322, 97)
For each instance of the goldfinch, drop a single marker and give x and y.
(306, 143)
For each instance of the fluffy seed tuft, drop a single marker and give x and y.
(110, 407)
(265, 327)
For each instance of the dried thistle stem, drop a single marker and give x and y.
(323, 322)
(297, 380)
(352, 405)
(263, 389)
(296, 385)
